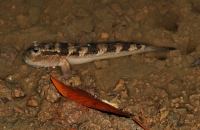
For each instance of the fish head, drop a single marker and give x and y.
(36, 56)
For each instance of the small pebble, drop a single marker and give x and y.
(164, 114)
(19, 110)
(52, 94)
(194, 97)
(18, 92)
(120, 86)
(32, 102)
(104, 35)
(74, 81)
(89, 81)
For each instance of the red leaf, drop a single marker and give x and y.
(88, 100)
(85, 98)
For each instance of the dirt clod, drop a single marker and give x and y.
(18, 92)
(32, 102)
(52, 94)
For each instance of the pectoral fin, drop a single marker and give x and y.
(65, 68)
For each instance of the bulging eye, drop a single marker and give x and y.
(35, 49)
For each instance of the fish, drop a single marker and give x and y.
(52, 54)
(195, 63)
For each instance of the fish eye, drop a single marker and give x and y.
(35, 49)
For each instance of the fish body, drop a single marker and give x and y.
(64, 54)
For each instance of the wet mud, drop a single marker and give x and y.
(158, 88)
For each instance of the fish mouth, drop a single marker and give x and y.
(27, 59)
(29, 62)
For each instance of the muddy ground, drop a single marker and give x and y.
(158, 88)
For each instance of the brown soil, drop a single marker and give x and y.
(158, 88)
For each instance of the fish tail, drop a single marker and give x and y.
(156, 48)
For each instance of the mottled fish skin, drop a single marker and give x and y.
(195, 63)
(63, 54)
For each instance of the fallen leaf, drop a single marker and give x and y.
(86, 99)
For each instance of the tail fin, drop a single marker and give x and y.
(156, 48)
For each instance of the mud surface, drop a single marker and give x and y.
(159, 89)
